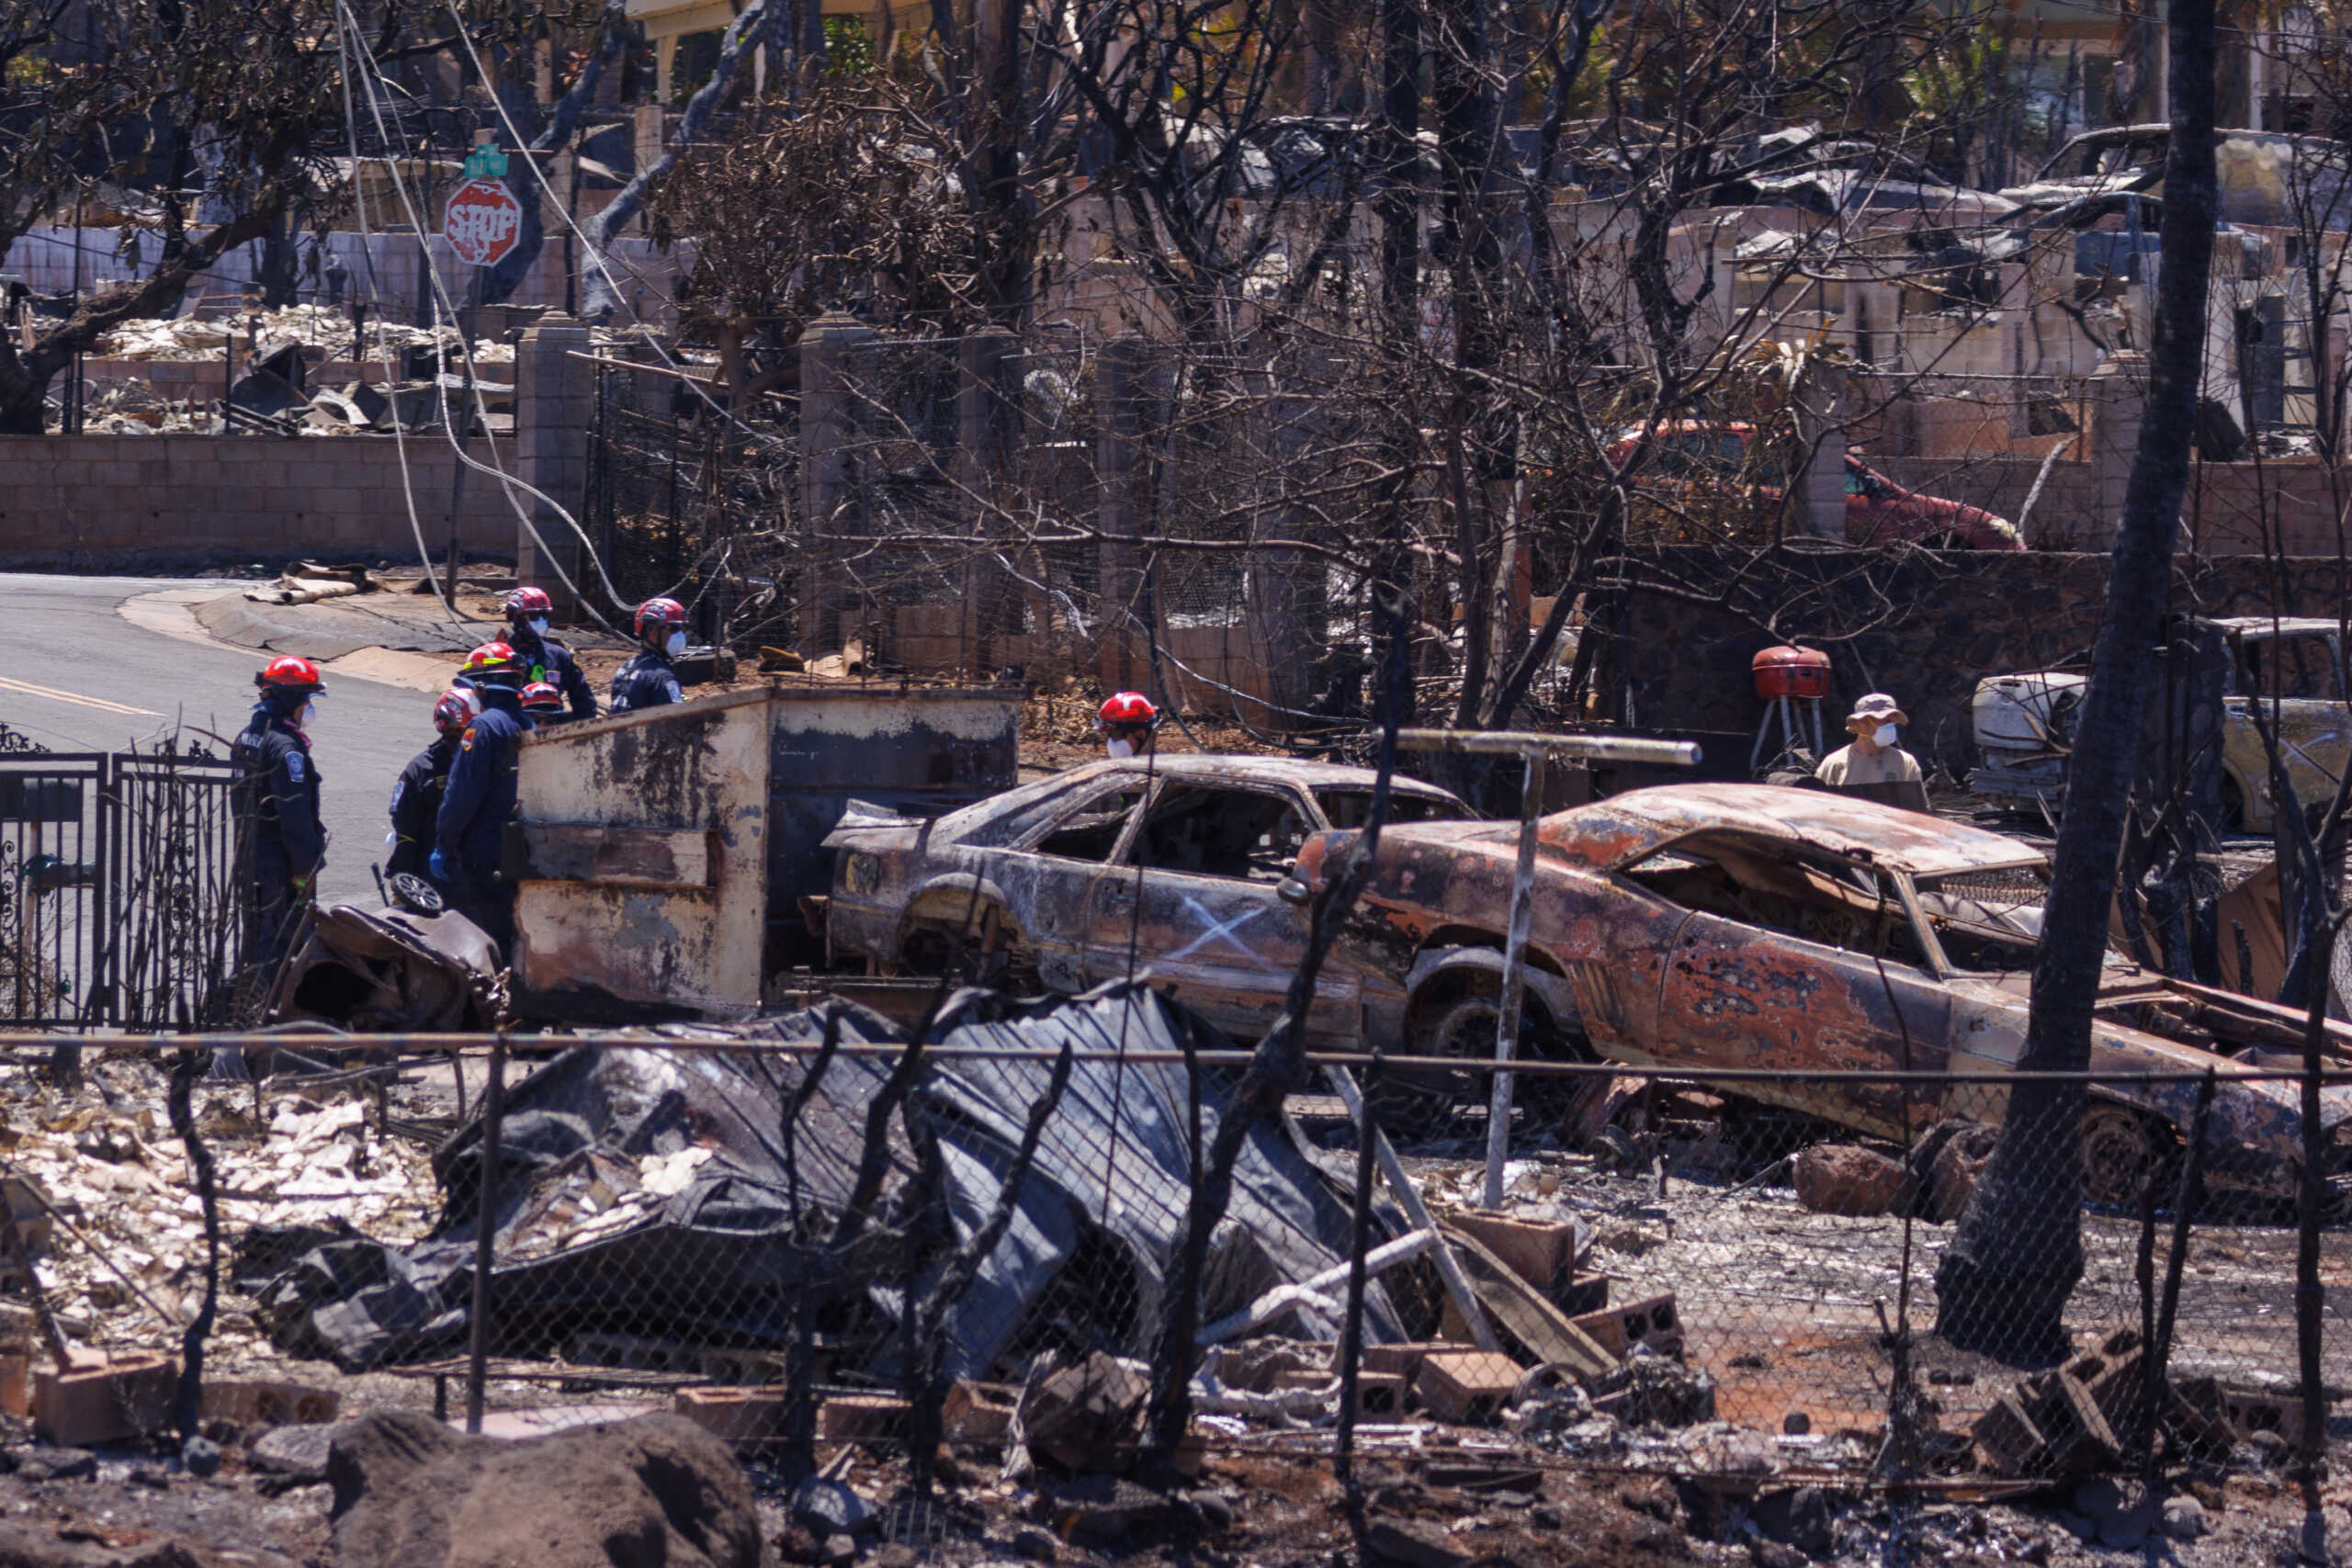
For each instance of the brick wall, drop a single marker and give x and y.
(120, 501)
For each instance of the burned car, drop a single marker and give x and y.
(2291, 666)
(1170, 864)
(1753, 926)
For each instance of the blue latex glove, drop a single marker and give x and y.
(439, 867)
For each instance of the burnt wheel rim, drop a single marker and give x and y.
(2118, 1153)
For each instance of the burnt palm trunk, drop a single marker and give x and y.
(2015, 1257)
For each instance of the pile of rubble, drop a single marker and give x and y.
(328, 331)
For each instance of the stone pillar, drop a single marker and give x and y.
(1123, 659)
(649, 125)
(555, 396)
(987, 443)
(827, 427)
(2115, 396)
(1820, 395)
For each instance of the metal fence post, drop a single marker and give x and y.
(1351, 1327)
(485, 1232)
(1531, 806)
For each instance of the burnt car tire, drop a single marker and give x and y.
(1460, 1021)
(929, 949)
(2122, 1149)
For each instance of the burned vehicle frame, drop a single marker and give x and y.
(1170, 864)
(1818, 939)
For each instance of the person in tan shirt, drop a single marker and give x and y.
(1874, 766)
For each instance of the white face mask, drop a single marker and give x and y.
(1120, 747)
(676, 644)
(1886, 735)
(305, 713)
(539, 625)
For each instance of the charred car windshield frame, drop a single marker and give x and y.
(1957, 937)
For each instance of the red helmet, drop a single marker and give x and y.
(541, 697)
(491, 658)
(529, 601)
(1125, 708)
(456, 708)
(288, 673)
(660, 613)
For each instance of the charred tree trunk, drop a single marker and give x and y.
(1399, 202)
(2016, 1254)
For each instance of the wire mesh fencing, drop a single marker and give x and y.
(1077, 1237)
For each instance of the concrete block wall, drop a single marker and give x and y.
(112, 502)
(1966, 616)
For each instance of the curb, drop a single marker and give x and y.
(240, 626)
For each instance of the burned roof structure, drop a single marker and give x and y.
(624, 1173)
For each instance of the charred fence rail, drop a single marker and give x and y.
(119, 902)
(802, 1233)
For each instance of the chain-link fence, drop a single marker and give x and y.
(1082, 1237)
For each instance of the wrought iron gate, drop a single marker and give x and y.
(119, 902)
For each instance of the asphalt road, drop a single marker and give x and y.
(76, 676)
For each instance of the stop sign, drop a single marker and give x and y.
(483, 222)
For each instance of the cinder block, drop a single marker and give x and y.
(1403, 1357)
(733, 1414)
(2260, 1410)
(861, 1418)
(105, 1398)
(2006, 1435)
(978, 1412)
(253, 1402)
(1313, 1378)
(1467, 1388)
(1380, 1397)
(16, 1383)
(1542, 1252)
(1652, 1320)
(1582, 1293)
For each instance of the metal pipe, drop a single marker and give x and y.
(1416, 1213)
(485, 1233)
(1351, 1321)
(1575, 747)
(1522, 901)
(438, 1046)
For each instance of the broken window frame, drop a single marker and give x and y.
(1110, 785)
(1123, 854)
(1937, 966)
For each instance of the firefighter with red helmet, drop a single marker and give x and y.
(470, 830)
(544, 658)
(278, 789)
(416, 798)
(542, 704)
(1127, 720)
(649, 680)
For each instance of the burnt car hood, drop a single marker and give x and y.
(2246, 1035)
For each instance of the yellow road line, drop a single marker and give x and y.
(28, 689)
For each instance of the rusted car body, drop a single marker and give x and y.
(2291, 666)
(1171, 865)
(1750, 926)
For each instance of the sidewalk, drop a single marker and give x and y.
(395, 636)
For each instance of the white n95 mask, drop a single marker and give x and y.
(1886, 734)
(676, 644)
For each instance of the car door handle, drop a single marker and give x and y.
(1118, 895)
